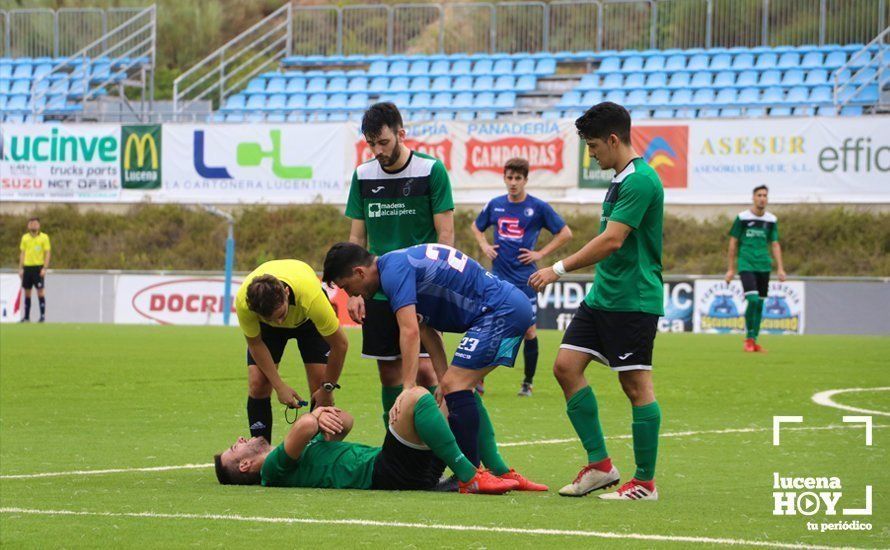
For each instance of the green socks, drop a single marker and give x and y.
(646, 421)
(433, 430)
(758, 315)
(583, 413)
(488, 447)
(389, 394)
(751, 315)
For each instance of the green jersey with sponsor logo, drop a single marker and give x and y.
(323, 464)
(755, 233)
(630, 278)
(398, 207)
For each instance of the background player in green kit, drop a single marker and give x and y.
(754, 233)
(417, 447)
(617, 322)
(398, 199)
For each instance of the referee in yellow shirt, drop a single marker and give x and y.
(33, 263)
(280, 300)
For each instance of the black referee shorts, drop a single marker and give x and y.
(31, 277)
(755, 282)
(621, 340)
(313, 347)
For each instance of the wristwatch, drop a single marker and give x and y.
(329, 386)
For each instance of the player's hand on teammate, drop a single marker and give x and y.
(490, 250)
(323, 398)
(541, 278)
(397, 406)
(329, 419)
(527, 256)
(288, 396)
(356, 309)
(729, 276)
(438, 395)
(782, 275)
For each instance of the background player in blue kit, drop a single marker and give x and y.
(434, 287)
(518, 218)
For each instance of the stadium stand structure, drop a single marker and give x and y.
(37, 89)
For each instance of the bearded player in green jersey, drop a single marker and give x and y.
(754, 234)
(417, 447)
(616, 324)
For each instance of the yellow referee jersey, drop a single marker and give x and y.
(35, 248)
(308, 300)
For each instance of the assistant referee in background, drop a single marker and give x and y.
(33, 263)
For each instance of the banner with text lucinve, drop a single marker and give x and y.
(184, 300)
(474, 153)
(60, 162)
(255, 163)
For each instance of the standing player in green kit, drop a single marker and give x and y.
(754, 233)
(398, 199)
(617, 322)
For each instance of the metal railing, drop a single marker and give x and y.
(259, 48)
(877, 56)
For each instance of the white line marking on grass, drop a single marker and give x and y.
(508, 444)
(439, 526)
(824, 398)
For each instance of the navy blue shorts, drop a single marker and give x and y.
(495, 337)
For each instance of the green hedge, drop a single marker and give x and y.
(817, 241)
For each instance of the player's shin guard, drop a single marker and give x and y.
(584, 415)
(752, 301)
(388, 395)
(646, 422)
(530, 354)
(463, 417)
(435, 433)
(259, 416)
(758, 316)
(488, 446)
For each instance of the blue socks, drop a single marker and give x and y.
(530, 353)
(463, 417)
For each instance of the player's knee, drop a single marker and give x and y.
(258, 386)
(413, 395)
(531, 333)
(390, 372)
(563, 372)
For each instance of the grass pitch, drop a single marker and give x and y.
(91, 397)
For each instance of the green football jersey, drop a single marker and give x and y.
(630, 278)
(323, 464)
(755, 233)
(398, 207)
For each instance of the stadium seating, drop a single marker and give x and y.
(27, 83)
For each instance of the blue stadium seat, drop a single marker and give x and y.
(719, 62)
(770, 78)
(317, 101)
(640, 114)
(483, 83)
(524, 67)
(463, 84)
(743, 61)
(659, 97)
(773, 95)
(420, 84)
(730, 112)
(570, 99)
(702, 79)
(336, 101)
(22, 70)
(545, 67)
(358, 101)
(337, 84)
(724, 78)
(6, 71)
(483, 67)
(419, 68)
(276, 102)
(636, 98)
(505, 100)
(296, 116)
(502, 67)
(526, 83)
(797, 94)
(441, 84)
(812, 60)
(466, 115)
(379, 84)
(5, 83)
(821, 94)
(635, 80)
(505, 83)
(463, 100)
(654, 63)
(632, 64)
(275, 117)
(755, 112)
(826, 111)
(378, 68)
(675, 63)
(444, 115)
(710, 112)
(296, 101)
(747, 78)
(726, 96)
(835, 60)
(591, 98)
(295, 84)
(357, 84)
(767, 61)
(610, 64)
(550, 115)
(421, 100)
(235, 117)
(613, 80)
(851, 110)
(656, 80)
(793, 77)
(398, 68)
(99, 72)
(461, 67)
(864, 75)
(256, 102)
(486, 115)
(21, 86)
(615, 96)
(256, 86)
(441, 67)
(484, 100)
(235, 102)
(663, 113)
(681, 97)
(442, 99)
(789, 60)
(858, 61)
(679, 80)
(399, 84)
(316, 84)
(703, 96)
(276, 86)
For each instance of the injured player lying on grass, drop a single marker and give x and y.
(418, 446)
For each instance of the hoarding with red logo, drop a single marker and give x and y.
(666, 149)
